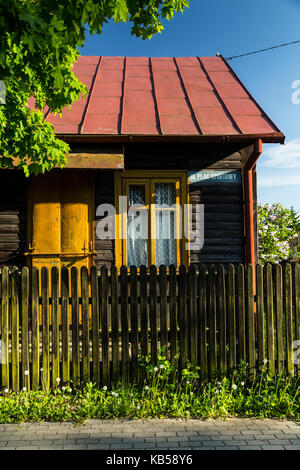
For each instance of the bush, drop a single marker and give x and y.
(278, 233)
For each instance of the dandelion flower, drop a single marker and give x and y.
(138, 407)
(234, 387)
(58, 379)
(6, 390)
(162, 366)
(26, 372)
(155, 369)
(265, 361)
(63, 388)
(105, 387)
(24, 389)
(69, 390)
(242, 383)
(41, 369)
(146, 387)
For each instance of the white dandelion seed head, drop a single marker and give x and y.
(265, 361)
(41, 369)
(138, 407)
(26, 372)
(242, 383)
(58, 379)
(6, 390)
(161, 366)
(63, 388)
(24, 389)
(234, 387)
(146, 387)
(155, 369)
(69, 390)
(105, 387)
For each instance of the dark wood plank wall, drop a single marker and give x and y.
(103, 194)
(13, 217)
(224, 240)
(224, 218)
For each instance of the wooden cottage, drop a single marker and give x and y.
(164, 132)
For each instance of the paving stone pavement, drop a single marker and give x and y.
(167, 434)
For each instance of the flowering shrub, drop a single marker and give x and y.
(278, 233)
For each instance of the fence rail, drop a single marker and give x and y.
(85, 326)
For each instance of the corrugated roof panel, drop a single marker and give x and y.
(177, 124)
(173, 106)
(203, 98)
(250, 124)
(139, 114)
(241, 107)
(101, 124)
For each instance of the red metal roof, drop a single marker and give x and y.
(187, 96)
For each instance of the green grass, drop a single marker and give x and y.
(161, 397)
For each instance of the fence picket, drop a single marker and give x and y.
(270, 318)
(173, 316)
(288, 317)
(104, 326)
(250, 318)
(212, 322)
(25, 365)
(183, 319)
(35, 323)
(144, 311)
(222, 318)
(5, 382)
(75, 326)
(124, 325)
(193, 333)
(65, 325)
(231, 316)
(95, 325)
(297, 309)
(241, 313)
(153, 312)
(202, 322)
(45, 329)
(134, 324)
(15, 361)
(86, 368)
(163, 309)
(260, 315)
(55, 320)
(279, 323)
(115, 325)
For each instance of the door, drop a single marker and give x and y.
(61, 219)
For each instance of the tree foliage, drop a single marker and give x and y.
(278, 233)
(39, 42)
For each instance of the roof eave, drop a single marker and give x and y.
(272, 138)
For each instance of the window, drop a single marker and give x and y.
(149, 225)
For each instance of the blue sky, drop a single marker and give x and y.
(234, 27)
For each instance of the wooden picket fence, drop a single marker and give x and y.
(86, 326)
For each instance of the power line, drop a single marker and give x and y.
(260, 50)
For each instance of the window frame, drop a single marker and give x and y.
(150, 178)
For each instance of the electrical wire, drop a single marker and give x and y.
(260, 50)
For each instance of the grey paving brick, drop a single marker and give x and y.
(275, 447)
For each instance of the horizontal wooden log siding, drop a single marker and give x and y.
(206, 315)
(13, 223)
